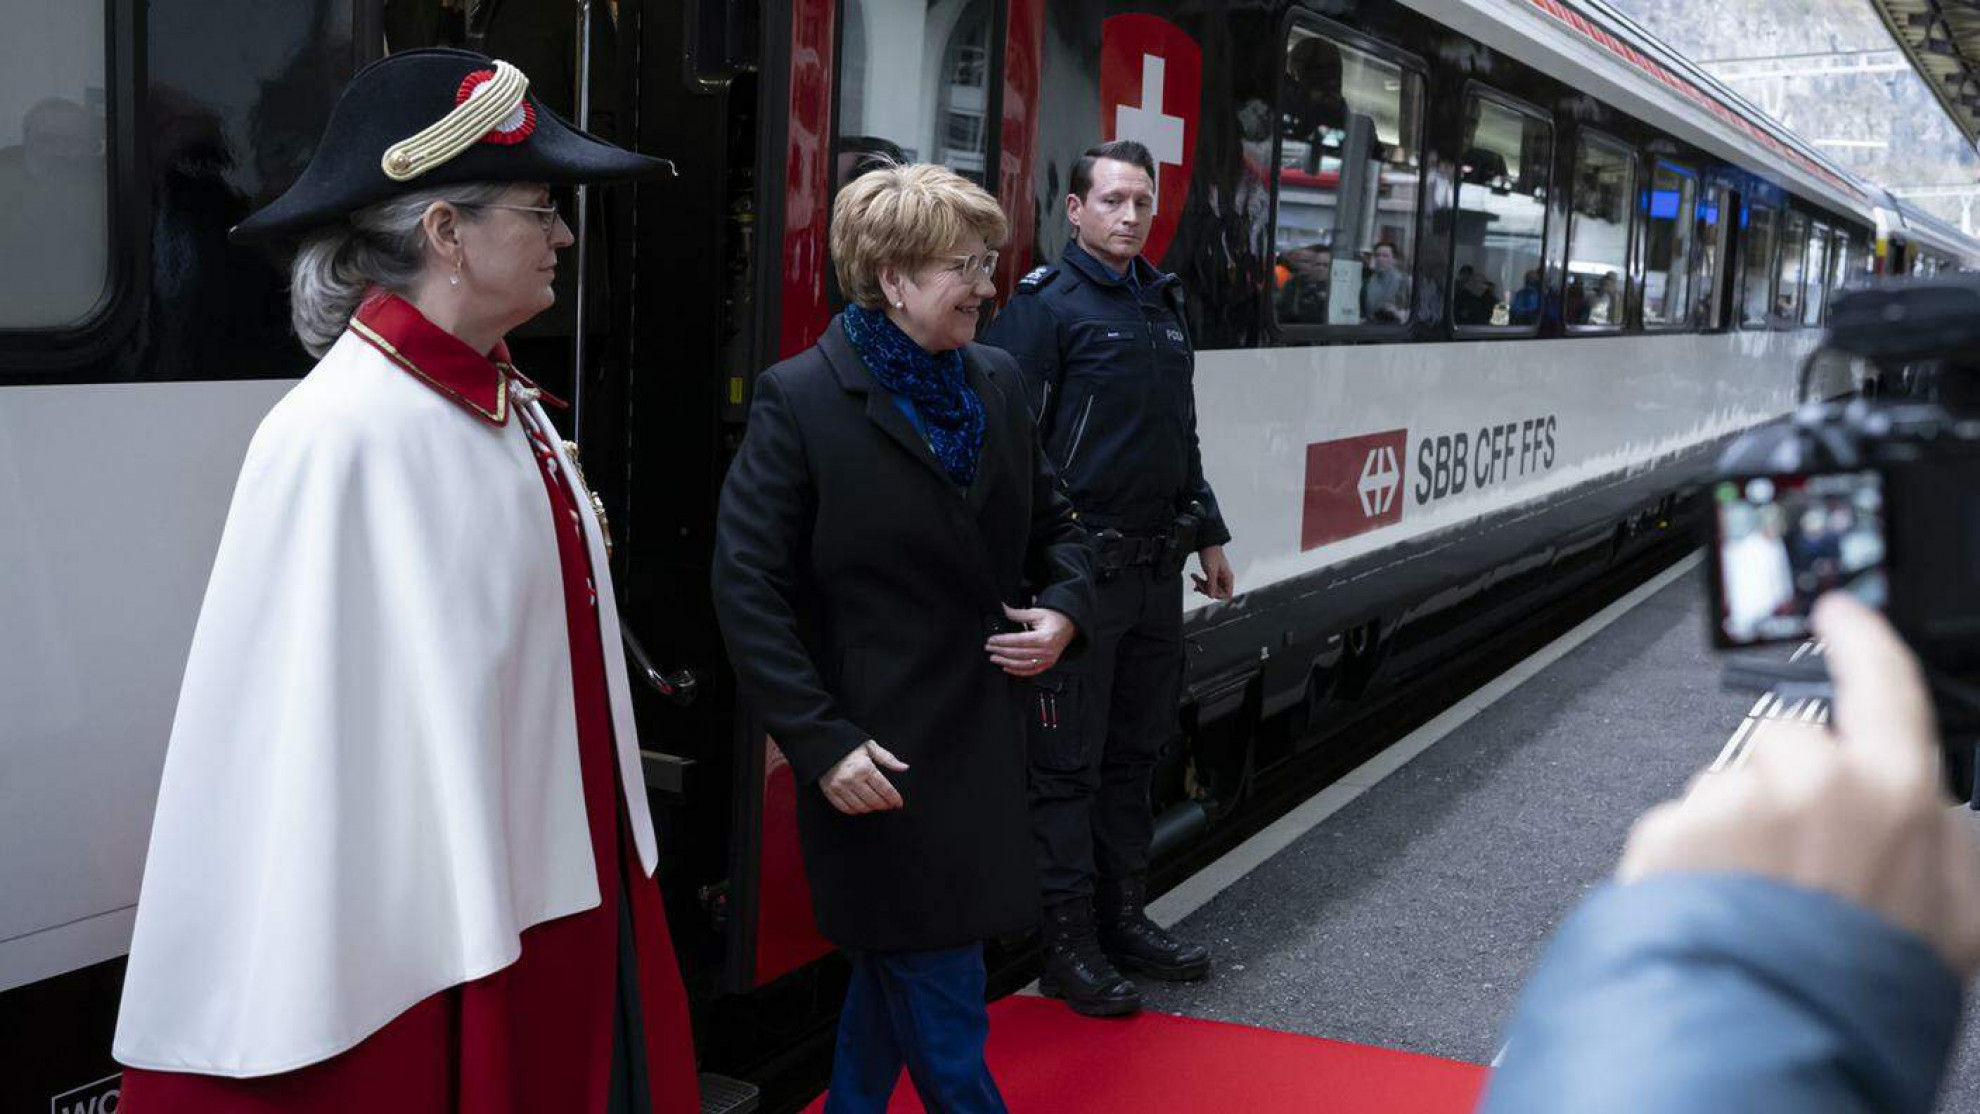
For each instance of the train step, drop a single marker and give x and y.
(722, 1095)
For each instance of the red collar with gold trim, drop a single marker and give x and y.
(479, 384)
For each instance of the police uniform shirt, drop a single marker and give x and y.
(1108, 370)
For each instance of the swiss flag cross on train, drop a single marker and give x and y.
(1151, 86)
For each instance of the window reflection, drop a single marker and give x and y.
(1668, 213)
(1706, 305)
(1787, 296)
(1757, 266)
(1842, 255)
(1818, 254)
(1501, 216)
(54, 177)
(1598, 234)
(1347, 180)
(914, 81)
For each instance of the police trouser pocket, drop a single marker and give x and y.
(1053, 725)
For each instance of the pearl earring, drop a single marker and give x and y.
(455, 278)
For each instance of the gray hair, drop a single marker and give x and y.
(379, 245)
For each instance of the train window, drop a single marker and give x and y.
(1598, 233)
(914, 84)
(1840, 257)
(1501, 215)
(54, 167)
(1706, 311)
(1350, 167)
(1842, 254)
(1817, 265)
(1787, 292)
(1756, 297)
(1668, 212)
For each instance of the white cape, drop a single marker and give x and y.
(372, 786)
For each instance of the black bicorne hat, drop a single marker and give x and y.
(433, 118)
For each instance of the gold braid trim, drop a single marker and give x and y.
(460, 129)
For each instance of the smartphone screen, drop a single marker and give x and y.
(1779, 542)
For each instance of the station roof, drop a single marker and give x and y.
(1942, 40)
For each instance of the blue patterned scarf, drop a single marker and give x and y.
(951, 414)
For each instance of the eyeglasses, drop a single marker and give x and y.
(547, 216)
(974, 266)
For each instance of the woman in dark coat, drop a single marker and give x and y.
(888, 513)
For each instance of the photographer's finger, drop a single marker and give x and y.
(1881, 701)
(1779, 742)
(1644, 850)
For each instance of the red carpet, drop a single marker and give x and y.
(1049, 1060)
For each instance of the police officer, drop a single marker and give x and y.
(1107, 362)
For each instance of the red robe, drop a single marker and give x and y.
(535, 1036)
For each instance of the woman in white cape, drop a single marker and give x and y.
(402, 858)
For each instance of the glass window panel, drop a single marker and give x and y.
(54, 176)
(890, 51)
(1842, 257)
(1818, 272)
(1598, 234)
(1787, 294)
(1501, 214)
(1757, 267)
(1705, 301)
(1668, 212)
(1350, 153)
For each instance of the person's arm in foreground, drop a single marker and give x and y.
(1792, 935)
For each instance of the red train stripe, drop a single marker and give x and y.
(807, 177)
(1018, 144)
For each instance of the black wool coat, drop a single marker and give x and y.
(856, 584)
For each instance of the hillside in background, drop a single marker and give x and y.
(1885, 126)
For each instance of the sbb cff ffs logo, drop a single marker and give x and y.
(1353, 485)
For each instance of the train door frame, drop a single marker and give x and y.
(1732, 254)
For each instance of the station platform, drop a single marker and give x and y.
(1399, 910)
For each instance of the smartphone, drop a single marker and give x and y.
(1780, 541)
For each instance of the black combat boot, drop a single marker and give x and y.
(1077, 970)
(1136, 943)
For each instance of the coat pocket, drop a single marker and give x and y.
(1054, 732)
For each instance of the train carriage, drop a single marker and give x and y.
(1477, 289)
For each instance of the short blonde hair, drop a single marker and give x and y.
(905, 216)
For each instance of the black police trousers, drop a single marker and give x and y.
(1097, 723)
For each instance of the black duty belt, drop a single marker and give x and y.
(1118, 550)
(1145, 548)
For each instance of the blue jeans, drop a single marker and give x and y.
(921, 1010)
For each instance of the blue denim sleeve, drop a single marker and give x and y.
(1705, 992)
